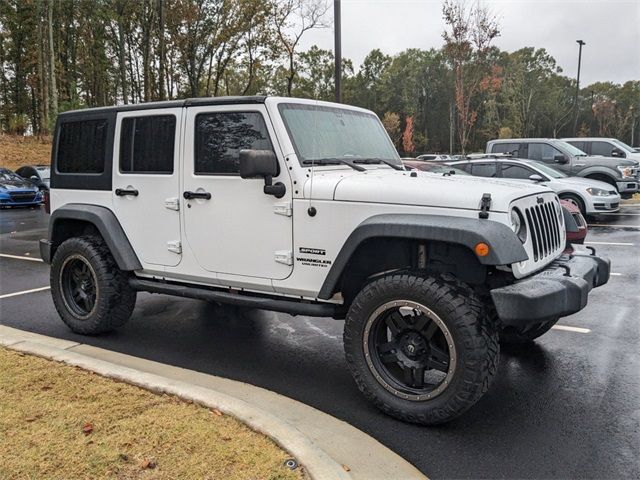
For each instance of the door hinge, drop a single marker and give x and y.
(172, 203)
(174, 246)
(283, 209)
(284, 256)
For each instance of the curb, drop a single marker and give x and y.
(318, 463)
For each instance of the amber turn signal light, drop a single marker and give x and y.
(481, 249)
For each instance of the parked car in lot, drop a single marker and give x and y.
(15, 191)
(39, 175)
(606, 147)
(304, 207)
(590, 196)
(575, 234)
(621, 173)
(433, 167)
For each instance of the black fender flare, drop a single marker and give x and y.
(107, 224)
(505, 247)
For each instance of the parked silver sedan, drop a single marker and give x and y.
(590, 196)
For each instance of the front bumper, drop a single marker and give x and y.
(559, 290)
(629, 185)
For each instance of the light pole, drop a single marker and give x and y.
(575, 100)
(338, 50)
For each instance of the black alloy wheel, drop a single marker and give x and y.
(409, 350)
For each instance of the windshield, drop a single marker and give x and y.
(570, 149)
(45, 172)
(321, 132)
(546, 169)
(623, 146)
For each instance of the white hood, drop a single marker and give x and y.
(582, 182)
(384, 185)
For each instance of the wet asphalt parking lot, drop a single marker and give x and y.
(566, 406)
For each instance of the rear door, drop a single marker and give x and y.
(146, 182)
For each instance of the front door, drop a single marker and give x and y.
(231, 226)
(146, 183)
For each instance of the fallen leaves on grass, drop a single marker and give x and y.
(87, 428)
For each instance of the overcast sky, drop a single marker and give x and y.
(610, 28)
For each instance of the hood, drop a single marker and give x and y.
(17, 184)
(384, 185)
(583, 182)
(610, 161)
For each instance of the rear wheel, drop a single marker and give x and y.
(525, 335)
(421, 349)
(92, 295)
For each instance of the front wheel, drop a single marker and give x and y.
(422, 349)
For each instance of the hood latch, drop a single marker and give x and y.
(485, 205)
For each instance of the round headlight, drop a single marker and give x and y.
(518, 225)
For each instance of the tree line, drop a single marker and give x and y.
(58, 55)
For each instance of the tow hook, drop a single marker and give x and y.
(567, 270)
(592, 250)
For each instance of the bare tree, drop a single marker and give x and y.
(292, 18)
(468, 36)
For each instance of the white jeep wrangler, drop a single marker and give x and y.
(304, 207)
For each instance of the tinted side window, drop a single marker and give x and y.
(581, 145)
(503, 147)
(146, 144)
(81, 146)
(543, 152)
(511, 170)
(219, 137)
(484, 169)
(601, 148)
(463, 166)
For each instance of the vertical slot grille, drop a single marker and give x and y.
(545, 232)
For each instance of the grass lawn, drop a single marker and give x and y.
(16, 151)
(61, 422)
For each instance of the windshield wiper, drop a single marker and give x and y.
(373, 161)
(334, 161)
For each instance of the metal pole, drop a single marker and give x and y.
(338, 50)
(575, 100)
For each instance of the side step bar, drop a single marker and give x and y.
(245, 300)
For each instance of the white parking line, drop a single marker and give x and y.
(15, 294)
(566, 328)
(612, 243)
(616, 274)
(617, 213)
(17, 257)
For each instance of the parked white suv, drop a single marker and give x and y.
(304, 207)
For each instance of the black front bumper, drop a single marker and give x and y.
(559, 290)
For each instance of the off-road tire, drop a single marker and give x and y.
(522, 335)
(114, 299)
(474, 333)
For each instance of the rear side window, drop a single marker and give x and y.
(219, 137)
(601, 148)
(503, 147)
(147, 144)
(511, 170)
(81, 146)
(581, 145)
(484, 170)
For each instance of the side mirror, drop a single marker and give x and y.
(536, 178)
(262, 164)
(560, 159)
(617, 153)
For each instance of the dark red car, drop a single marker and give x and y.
(579, 236)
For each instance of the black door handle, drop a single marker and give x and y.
(121, 192)
(191, 195)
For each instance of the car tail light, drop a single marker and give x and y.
(47, 202)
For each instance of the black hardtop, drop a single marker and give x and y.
(187, 102)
